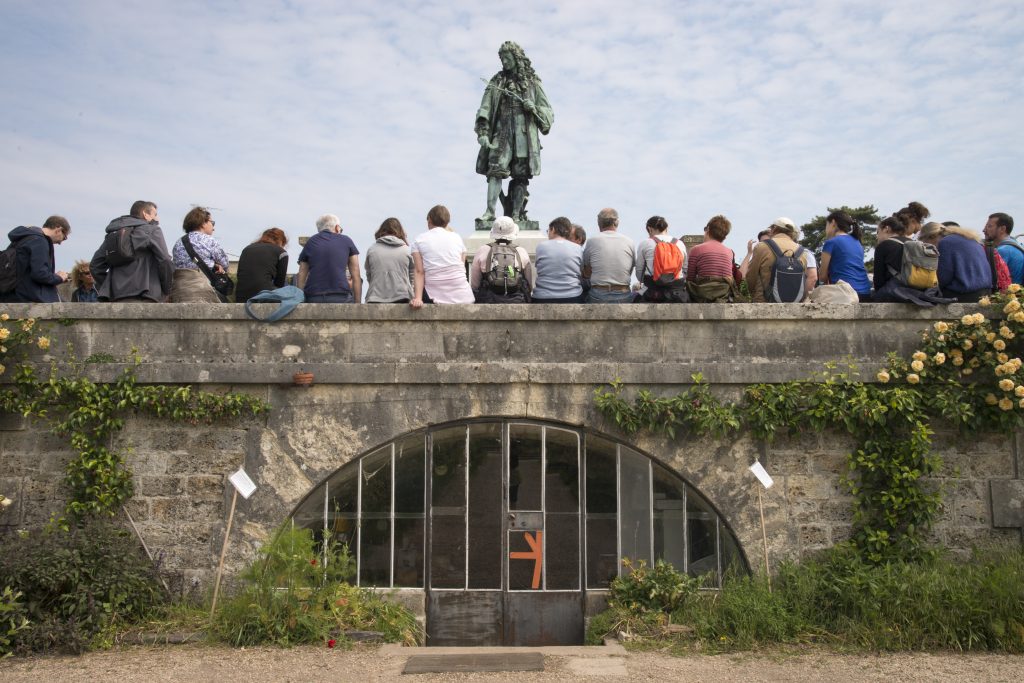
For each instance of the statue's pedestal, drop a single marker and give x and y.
(528, 239)
(530, 236)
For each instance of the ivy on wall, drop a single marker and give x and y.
(965, 373)
(90, 414)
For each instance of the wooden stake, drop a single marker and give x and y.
(224, 551)
(764, 537)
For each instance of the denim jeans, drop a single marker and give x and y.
(600, 296)
(330, 299)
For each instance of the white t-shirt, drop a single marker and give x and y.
(645, 257)
(439, 248)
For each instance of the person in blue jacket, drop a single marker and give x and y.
(37, 280)
(842, 256)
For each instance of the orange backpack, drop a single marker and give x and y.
(668, 261)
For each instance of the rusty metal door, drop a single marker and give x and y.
(505, 506)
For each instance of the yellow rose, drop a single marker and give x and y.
(1006, 384)
(5, 317)
(975, 362)
(942, 337)
(1005, 404)
(919, 355)
(43, 343)
(968, 344)
(1003, 358)
(3, 369)
(28, 324)
(958, 360)
(1015, 362)
(1000, 371)
(4, 333)
(966, 371)
(979, 318)
(967, 319)
(999, 344)
(883, 377)
(1014, 288)
(1019, 390)
(1020, 403)
(917, 366)
(955, 352)
(912, 378)
(990, 337)
(940, 326)
(940, 358)
(991, 399)
(985, 301)
(1012, 307)
(1018, 317)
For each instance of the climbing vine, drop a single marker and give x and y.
(89, 414)
(965, 373)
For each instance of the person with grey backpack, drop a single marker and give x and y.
(778, 267)
(501, 272)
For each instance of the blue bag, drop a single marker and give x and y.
(288, 296)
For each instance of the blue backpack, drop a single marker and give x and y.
(288, 296)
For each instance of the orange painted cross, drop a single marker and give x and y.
(536, 553)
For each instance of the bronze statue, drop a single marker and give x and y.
(513, 114)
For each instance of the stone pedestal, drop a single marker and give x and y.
(485, 226)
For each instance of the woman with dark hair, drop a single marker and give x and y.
(842, 256)
(389, 266)
(892, 233)
(913, 215)
(262, 265)
(190, 283)
(559, 262)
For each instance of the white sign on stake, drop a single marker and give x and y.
(243, 484)
(762, 475)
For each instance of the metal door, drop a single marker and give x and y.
(519, 541)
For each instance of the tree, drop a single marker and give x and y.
(866, 216)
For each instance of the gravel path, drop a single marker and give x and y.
(198, 663)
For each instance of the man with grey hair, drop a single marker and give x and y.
(325, 263)
(608, 259)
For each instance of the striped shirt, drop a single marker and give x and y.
(710, 259)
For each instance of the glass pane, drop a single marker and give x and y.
(702, 536)
(732, 561)
(562, 551)
(448, 513)
(524, 467)
(310, 515)
(601, 496)
(602, 554)
(485, 505)
(375, 553)
(409, 552)
(562, 488)
(342, 490)
(669, 518)
(526, 557)
(448, 474)
(635, 503)
(448, 552)
(602, 517)
(376, 470)
(409, 475)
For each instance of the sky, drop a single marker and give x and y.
(273, 113)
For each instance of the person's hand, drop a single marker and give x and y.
(750, 246)
(63, 275)
(484, 141)
(218, 268)
(529, 106)
(416, 304)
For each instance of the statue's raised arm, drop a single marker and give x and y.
(513, 114)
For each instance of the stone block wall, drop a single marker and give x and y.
(385, 371)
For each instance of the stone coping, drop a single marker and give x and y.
(479, 312)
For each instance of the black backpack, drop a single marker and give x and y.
(118, 248)
(786, 285)
(8, 269)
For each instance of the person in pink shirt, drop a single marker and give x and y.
(439, 260)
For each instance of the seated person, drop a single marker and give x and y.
(964, 271)
(842, 256)
(711, 272)
(759, 277)
(559, 262)
(501, 272)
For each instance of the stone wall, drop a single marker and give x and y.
(384, 371)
